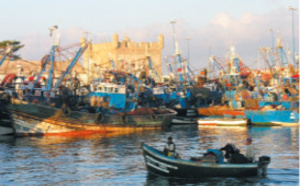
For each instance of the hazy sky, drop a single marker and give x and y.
(212, 25)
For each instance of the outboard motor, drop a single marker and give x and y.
(263, 163)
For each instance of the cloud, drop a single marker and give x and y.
(247, 33)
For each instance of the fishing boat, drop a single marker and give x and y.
(156, 162)
(101, 107)
(222, 122)
(37, 119)
(106, 107)
(273, 117)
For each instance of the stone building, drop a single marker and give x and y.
(127, 55)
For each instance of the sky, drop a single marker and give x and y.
(213, 26)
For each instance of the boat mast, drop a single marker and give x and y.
(8, 51)
(81, 50)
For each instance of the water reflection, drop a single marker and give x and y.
(117, 159)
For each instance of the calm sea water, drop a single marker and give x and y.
(118, 160)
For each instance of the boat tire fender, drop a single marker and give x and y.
(66, 110)
(99, 118)
(5, 98)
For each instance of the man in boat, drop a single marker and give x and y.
(170, 148)
(250, 155)
(229, 151)
(233, 154)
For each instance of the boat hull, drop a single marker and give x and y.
(34, 119)
(234, 114)
(157, 163)
(222, 122)
(6, 127)
(185, 117)
(272, 117)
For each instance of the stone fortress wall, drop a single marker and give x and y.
(126, 54)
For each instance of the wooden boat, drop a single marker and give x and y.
(216, 110)
(39, 119)
(222, 121)
(157, 162)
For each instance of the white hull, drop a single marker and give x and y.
(221, 122)
(285, 123)
(31, 126)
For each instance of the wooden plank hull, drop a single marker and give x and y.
(238, 114)
(31, 119)
(212, 111)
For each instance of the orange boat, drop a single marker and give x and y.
(213, 110)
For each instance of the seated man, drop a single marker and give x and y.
(233, 154)
(170, 148)
(250, 155)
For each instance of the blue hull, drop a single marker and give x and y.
(269, 116)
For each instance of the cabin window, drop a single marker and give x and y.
(105, 89)
(116, 90)
(111, 89)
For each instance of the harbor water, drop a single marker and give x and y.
(118, 160)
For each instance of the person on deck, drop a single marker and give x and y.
(170, 148)
(229, 151)
(250, 154)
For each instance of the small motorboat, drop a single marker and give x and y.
(157, 162)
(222, 121)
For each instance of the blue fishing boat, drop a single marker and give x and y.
(273, 117)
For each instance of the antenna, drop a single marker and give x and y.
(173, 22)
(55, 35)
